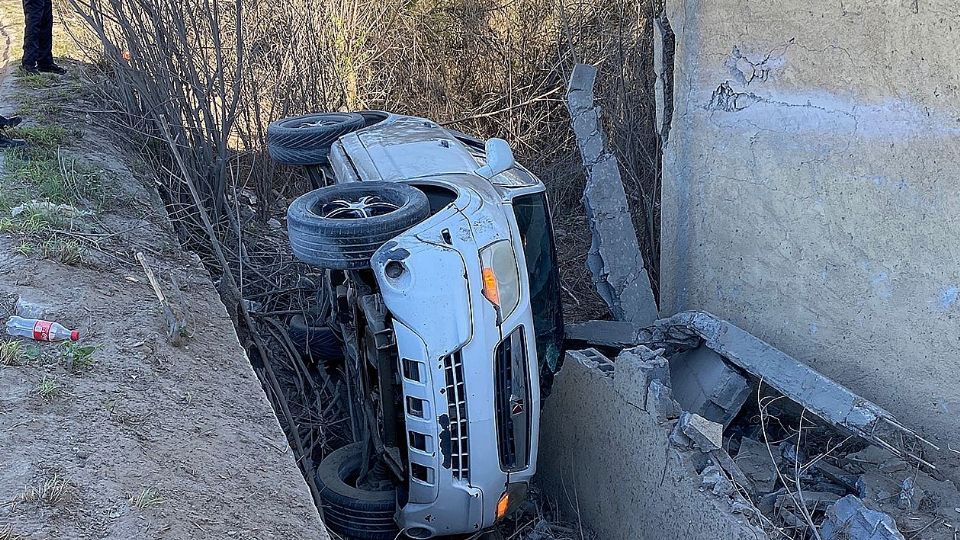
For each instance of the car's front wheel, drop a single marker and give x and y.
(340, 227)
(350, 509)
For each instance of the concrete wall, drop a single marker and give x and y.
(811, 189)
(608, 461)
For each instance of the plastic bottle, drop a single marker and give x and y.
(40, 330)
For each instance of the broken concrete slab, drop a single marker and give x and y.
(703, 383)
(757, 464)
(850, 519)
(836, 474)
(706, 435)
(723, 459)
(660, 402)
(610, 458)
(815, 392)
(614, 334)
(642, 366)
(614, 259)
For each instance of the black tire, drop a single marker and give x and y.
(316, 341)
(325, 234)
(372, 118)
(306, 140)
(351, 511)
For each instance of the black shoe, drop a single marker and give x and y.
(52, 68)
(6, 142)
(13, 121)
(31, 70)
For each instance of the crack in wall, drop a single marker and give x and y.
(725, 99)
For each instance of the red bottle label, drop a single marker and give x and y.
(41, 330)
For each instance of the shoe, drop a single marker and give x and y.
(32, 70)
(6, 142)
(13, 121)
(52, 68)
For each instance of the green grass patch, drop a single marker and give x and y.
(146, 498)
(37, 108)
(24, 248)
(59, 179)
(48, 388)
(31, 222)
(67, 251)
(36, 81)
(11, 353)
(48, 138)
(79, 357)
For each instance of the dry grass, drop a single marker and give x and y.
(48, 492)
(48, 388)
(148, 497)
(11, 353)
(7, 533)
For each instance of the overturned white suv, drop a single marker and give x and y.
(442, 270)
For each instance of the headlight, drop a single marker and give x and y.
(501, 278)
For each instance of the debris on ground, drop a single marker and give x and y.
(789, 449)
(850, 519)
(173, 313)
(40, 330)
(48, 208)
(706, 435)
(823, 397)
(806, 452)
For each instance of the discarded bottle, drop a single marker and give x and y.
(40, 330)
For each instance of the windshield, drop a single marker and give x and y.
(536, 234)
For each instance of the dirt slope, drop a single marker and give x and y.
(139, 439)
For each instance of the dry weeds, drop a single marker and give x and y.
(48, 492)
(148, 497)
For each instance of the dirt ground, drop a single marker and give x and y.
(124, 435)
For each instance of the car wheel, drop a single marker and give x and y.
(306, 140)
(316, 341)
(349, 510)
(372, 118)
(340, 227)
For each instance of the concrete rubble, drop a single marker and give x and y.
(614, 259)
(801, 458)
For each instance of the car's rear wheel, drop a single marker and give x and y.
(340, 227)
(305, 140)
(356, 512)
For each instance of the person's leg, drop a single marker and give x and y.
(45, 54)
(45, 59)
(33, 21)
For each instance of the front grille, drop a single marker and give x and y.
(457, 412)
(512, 402)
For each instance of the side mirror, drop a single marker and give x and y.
(499, 158)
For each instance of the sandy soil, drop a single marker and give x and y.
(149, 440)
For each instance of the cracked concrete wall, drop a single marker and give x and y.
(810, 189)
(607, 460)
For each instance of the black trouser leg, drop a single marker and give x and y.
(38, 33)
(46, 35)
